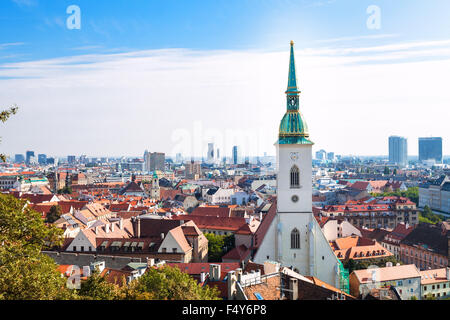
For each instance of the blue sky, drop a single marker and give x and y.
(122, 25)
(227, 61)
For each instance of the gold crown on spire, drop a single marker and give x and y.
(292, 42)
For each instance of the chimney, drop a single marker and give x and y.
(293, 285)
(150, 262)
(138, 227)
(162, 235)
(112, 226)
(107, 228)
(448, 273)
(121, 224)
(214, 272)
(231, 283)
(96, 229)
(86, 271)
(239, 274)
(202, 277)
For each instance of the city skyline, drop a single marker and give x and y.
(370, 83)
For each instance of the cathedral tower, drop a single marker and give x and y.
(294, 237)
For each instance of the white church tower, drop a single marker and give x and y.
(294, 238)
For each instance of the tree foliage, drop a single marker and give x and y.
(26, 273)
(97, 288)
(411, 193)
(427, 216)
(54, 214)
(170, 283)
(4, 116)
(352, 265)
(218, 246)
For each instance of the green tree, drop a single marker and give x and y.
(228, 243)
(54, 214)
(395, 172)
(386, 170)
(4, 116)
(25, 272)
(216, 245)
(427, 216)
(65, 190)
(169, 283)
(97, 287)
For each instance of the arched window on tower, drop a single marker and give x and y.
(295, 239)
(295, 177)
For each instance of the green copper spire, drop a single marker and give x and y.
(292, 79)
(293, 129)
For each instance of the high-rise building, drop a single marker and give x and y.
(146, 161)
(330, 156)
(430, 149)
(42, 159)
(398, 150)
(19, 158)
(52, 161)
(294, 238)
(71, 159)
(193, 170)
(210, 157)
(157, 161)
(218, 154)
(235, 155)
(321, 155)
(29, 154)
(178, 158)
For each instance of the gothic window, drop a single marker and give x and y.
(295, 239)
(295, 177)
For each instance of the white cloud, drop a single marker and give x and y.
(177, 99)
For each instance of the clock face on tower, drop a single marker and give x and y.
(294, 156)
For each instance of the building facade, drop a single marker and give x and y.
(430, 149)
(398, 151)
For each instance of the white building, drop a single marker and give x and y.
(436, 194)
(294, 237)
(405, 278)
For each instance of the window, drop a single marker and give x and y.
(74, 248)
(295, 177)
(164, 250)
(174, 250)
(82, 248)
(295, 239)
(425, 288)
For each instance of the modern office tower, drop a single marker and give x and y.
(178, 158)
(19, 158)
(29, 154)
(42, 159)
(218, 154)
(83, 159)
(430, 149)
(71, 159)
(52, 161)
(330, 156)
(157, 161)
(235, 155)
(398, 150)
(210, 155)
(146, 161)
(321, 155)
